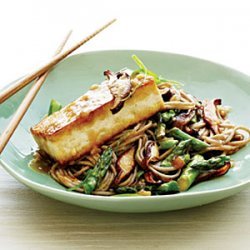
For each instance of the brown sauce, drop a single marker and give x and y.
(39, 165)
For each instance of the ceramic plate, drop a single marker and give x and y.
(72, 77)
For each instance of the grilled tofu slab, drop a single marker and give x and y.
(88, 122)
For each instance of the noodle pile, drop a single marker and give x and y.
(204, 120)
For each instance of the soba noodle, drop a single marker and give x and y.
(226, 138)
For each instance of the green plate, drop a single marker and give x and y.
(72, 77)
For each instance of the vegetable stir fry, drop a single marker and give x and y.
(187, 142)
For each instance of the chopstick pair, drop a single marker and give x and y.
(42, 73)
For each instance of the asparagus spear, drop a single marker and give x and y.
(178, 150)
(181, 147)
(206, 175)
(168, 116)
(180, 161)
(212, 163)
(167, 143)
(189, 174)
(197, 144)
(126, 190)
(95, 175)
(54, 106)
(160, 130)
(134, 191)
(167, 188)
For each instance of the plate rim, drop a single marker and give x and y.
(65, 193)
(25, 180)
(142, 51)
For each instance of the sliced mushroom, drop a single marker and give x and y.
(204, 176)
(210, 114)
(120, 87)
(151, 153)
(125, 165)
(184, 118)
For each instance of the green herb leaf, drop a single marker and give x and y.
(146, 71)
(54, 106)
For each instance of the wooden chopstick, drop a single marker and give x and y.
(8, 92)
(7, 133)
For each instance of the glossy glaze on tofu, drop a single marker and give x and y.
(88, 122)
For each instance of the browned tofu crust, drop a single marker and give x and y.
(88, 122)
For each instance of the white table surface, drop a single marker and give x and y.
(30, 32)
